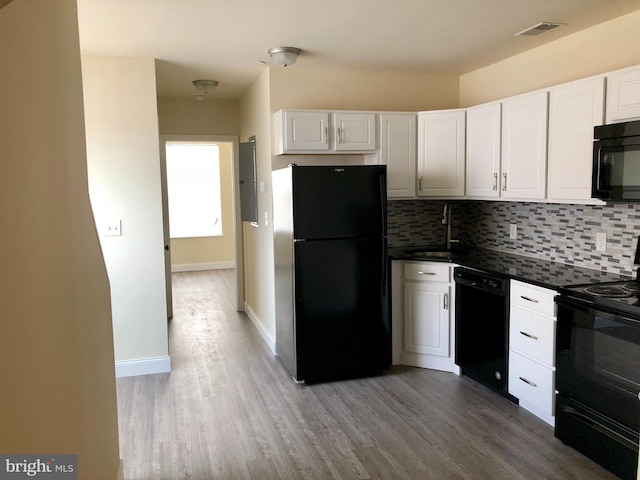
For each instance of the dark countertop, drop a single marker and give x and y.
(544, 273)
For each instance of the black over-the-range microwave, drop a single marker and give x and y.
(616, 162)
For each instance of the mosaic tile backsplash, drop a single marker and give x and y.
(557, 232)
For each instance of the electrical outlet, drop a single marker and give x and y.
(601, 242)
(112, 229)
(513, 231)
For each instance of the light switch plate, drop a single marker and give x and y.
(601, 242)
(513, 231)
(113, 228)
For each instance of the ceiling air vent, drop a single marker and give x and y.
(539, 29)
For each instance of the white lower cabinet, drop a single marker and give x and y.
(424, 317)
(532, 335)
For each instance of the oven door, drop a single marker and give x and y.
(598, 360)
(616, 169)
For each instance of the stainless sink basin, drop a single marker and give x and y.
(427, 254)
(433, 254)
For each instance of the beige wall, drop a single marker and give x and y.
(209, 117)
(123, 155)
(258, 241)
(609, 46)
(342, 89)
(189, 117)
(56, 346)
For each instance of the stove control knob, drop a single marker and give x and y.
(498, 375)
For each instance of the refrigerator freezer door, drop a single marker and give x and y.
(341, 309)
(339, 202)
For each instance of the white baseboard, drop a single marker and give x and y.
(121, 470)
(268, 339)
(196, 267)
(143, 366)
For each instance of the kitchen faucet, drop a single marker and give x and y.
(446, 220)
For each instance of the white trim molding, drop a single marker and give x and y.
(121, 470)
(268, 339)
(196, 267)
(143, 366)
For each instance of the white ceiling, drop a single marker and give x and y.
(224, 39)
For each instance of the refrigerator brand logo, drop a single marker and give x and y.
(60, 467)
(339, 170)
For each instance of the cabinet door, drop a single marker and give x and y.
(354, 132)
(623, 95)
(426, 318)
(306, 131)
(398, 153)
(524, 146)
(483, 150)
(574, 109)
(441, 153)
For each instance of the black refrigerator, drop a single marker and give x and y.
(331, 274)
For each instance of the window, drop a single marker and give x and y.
(193, 189)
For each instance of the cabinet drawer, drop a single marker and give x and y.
(531, 297)
(428, 272)
(532, 382)
(532, 335)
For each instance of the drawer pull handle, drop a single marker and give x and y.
(533, 337)
(528, 299)
(528, 382)
(426, 273)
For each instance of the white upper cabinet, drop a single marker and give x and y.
(398, 153)
(315, 131)
(483, 150)
(524, 146)
(623, 95)
(441, 153)
(574, 109)
(301, 131)
(354, 132)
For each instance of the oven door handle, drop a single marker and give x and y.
(599, 427)
(597, 310)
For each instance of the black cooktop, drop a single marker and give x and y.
(623, 296)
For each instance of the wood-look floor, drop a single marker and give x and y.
(229, 410)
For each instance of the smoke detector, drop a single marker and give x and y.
(539, 29)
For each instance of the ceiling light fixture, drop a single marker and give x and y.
(284, 55)
(203, 87)
(539, 29)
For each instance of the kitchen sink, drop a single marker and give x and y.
(427, 254)
(433, 254)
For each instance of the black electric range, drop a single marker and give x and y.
(597, 372)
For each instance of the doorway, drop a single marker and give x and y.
(207, 252)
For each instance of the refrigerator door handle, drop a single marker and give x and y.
(383, 203)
